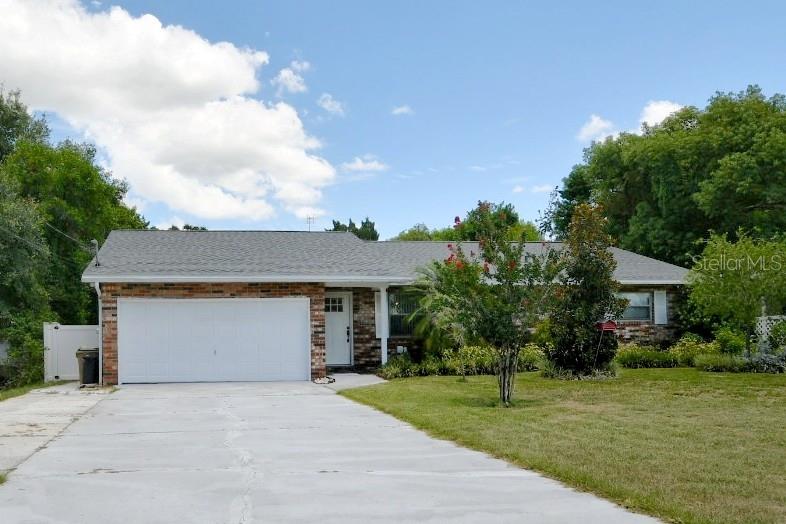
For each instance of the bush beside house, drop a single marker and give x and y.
(464, 361)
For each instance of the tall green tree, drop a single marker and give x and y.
(78, 201)
(732, 280)
(366, 231)
(17, 124)
(718, 169)
(586, 294)
(24, 254)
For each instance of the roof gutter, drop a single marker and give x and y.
(329, 279)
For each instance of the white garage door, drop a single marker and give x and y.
(213, 340)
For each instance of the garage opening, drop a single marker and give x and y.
(213, 340)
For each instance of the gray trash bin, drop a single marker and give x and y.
(88, 365)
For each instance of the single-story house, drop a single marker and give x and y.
(193, 306)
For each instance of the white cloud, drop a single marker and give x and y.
(300, 66)
(544, 188)
(290, 80)
(330, 104)
(656, 111)
(173, 112)
(402, 110)
(596, 128)
(368, 163)
(518, 189)
(653, 113)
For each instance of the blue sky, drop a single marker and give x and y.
(498, 91)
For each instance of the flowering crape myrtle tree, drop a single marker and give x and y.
(494, 295)
(586, 294)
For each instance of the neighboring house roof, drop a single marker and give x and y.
(300, 256)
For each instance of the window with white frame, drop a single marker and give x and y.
(639, 306)
(400, 306)
(334, 304)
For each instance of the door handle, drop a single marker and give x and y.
(347, 333)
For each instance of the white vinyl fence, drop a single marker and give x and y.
(763, 327)
(60, 345)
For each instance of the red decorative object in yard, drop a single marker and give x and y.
(608, 325)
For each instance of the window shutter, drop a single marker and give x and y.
(377, 307)
(661, 313)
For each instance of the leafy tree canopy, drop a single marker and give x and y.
(718, 169)
(731, 280)
(75, 201)
(366, 231)
(17, 124)
(24, 253)
(468, 229)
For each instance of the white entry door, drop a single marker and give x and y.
(213, 340)
(338, 328)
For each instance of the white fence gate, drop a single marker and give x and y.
(60, 344)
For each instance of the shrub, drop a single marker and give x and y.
(25, 362)
(730, 341)
(689, 346)
(466, 360)
(541, 335)
(398, 366)
(720, 362)
(470, 360)
(633, 356)
(551, 370)
(767, 364)
(778, 337)
(431, 365)
(531, 358)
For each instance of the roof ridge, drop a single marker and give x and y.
(225, 231)
(456, 241)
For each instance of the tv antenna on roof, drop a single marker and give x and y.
(310, 220)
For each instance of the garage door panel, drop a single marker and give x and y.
(196, 340)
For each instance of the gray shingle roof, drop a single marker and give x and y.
(129, 256)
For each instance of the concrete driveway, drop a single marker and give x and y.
(283, 452)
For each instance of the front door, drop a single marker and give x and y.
(338, 328)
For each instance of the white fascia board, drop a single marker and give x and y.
(652, 282)
(334, 280)
(327, 279)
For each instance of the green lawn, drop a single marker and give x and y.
(676, 443)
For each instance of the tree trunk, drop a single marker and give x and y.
(506, 374)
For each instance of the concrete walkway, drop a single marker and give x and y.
(29, 421)
(283, 452)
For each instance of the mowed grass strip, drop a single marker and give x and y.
(676, 443)
(5, 394)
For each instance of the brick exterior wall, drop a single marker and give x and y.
(111, 292)
(365, 344)
(647, 332)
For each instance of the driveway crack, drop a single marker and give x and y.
(241, 506)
